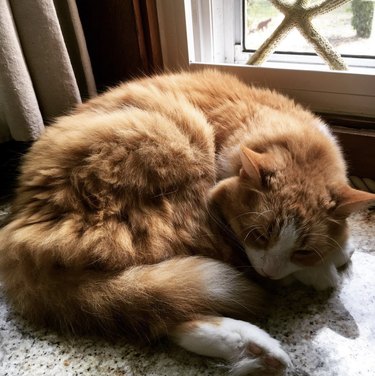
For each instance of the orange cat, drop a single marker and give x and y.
(135, 213)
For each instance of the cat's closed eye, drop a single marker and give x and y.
(305, 257)
(259, 236)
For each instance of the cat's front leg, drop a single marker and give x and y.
(326, 276)
(249, 349)
(320, 277)
(342, 256)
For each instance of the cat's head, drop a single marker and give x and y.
(287, 213)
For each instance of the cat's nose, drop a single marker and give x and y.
(265, 274)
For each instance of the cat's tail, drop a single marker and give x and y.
(142, 302)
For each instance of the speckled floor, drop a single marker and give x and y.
(326, 333)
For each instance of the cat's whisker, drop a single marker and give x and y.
(237, 302)
(162, 194)
(318, 253)
(247, 235)
(251, 229)
(254, 190)
(251, 212)
(224, 227)
(333, 241)
(217, 221)
(336, 221)
(265, 211)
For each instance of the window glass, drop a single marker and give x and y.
(349, 28)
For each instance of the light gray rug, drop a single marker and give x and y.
(326, 334)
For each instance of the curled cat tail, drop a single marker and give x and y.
(143, 302)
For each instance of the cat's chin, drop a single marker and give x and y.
(320, 278)
(272, 277)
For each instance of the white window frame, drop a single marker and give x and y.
(188, 36)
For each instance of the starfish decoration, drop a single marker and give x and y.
(299, 15)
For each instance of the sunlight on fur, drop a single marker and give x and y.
(158, 208)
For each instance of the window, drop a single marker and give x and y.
(215, 33)
(347, 28)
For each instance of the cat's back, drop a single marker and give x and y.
(227, 103)
(128, 147)
(206, 89)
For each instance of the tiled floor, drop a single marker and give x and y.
(326, 334)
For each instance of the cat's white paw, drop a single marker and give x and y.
(270, 360)
(261, 354)
(249, 349)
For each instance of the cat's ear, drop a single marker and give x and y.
(252, 163)
(351, 200)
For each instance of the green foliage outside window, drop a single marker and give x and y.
(363, 13)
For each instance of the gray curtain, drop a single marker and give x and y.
(44, 65)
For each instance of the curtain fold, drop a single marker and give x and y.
(43, 61)
(75, 41)
(21, 118)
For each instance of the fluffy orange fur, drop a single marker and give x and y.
(133, 212)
